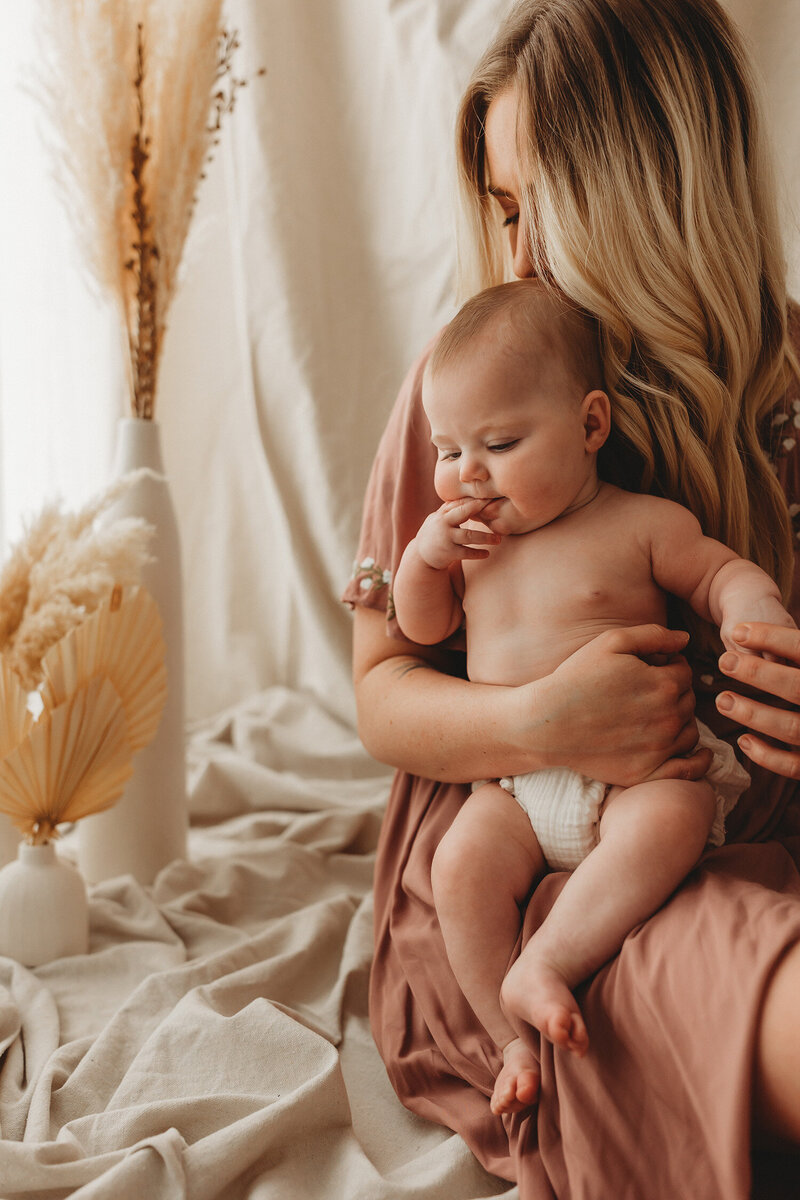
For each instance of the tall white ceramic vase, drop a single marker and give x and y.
(147, 827)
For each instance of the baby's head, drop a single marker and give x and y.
(513, 393)
(522, 327)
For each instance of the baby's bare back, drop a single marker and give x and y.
(540, 596)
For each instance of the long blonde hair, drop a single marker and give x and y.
(648, 193)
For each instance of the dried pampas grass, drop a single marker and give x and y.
(60, 571)
(135, 91)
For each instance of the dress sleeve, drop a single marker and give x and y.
(399, 497)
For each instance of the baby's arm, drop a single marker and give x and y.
(718, 584)
(428, 584)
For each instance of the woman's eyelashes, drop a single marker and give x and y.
(511, 219)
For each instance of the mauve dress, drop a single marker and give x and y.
(660, 1108)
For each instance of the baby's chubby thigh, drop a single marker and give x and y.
(489, 847)
(668, 819)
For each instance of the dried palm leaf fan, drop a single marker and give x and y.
(121, 640)
(15, 719)
(76, 760)
(104, 690)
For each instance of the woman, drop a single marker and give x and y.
(618, 144)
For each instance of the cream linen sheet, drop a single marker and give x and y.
(214, 1044)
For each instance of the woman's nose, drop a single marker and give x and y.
(521, 259)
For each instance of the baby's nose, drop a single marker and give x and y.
(472, 468)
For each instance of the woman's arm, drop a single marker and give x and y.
(605, 712)
(779, 679)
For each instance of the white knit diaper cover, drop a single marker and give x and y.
(564, 806)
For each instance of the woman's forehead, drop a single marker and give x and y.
(502, 157)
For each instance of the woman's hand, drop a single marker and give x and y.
(770, 662)
(621, 709)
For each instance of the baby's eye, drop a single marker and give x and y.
(511, 220)
(449, 455)
(499, 447)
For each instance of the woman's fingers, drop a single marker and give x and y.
(775, 758)
(776, 679)
(776, 640)
(646, 640)
(780, 723)
(777, 675)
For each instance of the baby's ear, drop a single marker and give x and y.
(596, 410)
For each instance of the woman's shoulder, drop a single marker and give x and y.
(408, 408)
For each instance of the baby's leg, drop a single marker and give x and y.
(482, 872)
(650, 837)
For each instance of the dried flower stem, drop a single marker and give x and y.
(144, 334)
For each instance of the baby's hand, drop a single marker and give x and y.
(768, 609)
(441, 540)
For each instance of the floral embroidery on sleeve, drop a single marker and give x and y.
(371, 577)
(785, 436)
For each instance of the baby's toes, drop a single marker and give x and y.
(578, 1041)
(504, 1095)
(528, 1087)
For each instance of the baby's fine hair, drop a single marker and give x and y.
(527, 321)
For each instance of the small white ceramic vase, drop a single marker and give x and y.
(147, 828)
(44, 913)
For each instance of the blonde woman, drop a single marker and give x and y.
(617, 146)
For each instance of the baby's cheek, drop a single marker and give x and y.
(447, 484)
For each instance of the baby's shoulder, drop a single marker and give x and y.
(644, 506)
(653, 520)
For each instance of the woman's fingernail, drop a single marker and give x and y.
(725, 701)
(745, 744)
(741, 633)
(729, 662)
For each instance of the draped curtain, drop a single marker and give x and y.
(321, 260)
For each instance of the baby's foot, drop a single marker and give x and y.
(535, 990)
(517, 1085)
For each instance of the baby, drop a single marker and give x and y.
(537, 556)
